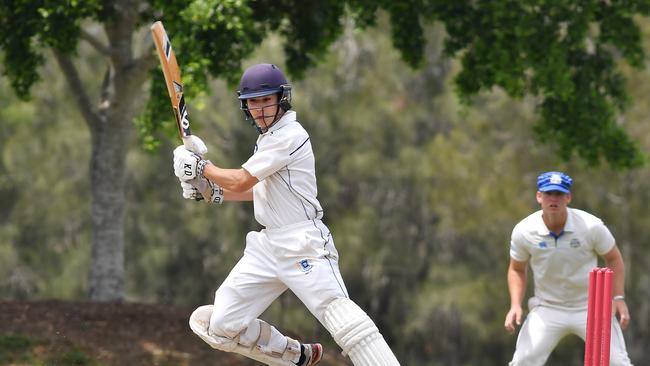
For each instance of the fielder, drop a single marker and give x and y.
(295, 250)
(561, 244)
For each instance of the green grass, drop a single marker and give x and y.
(16, 349)
(74, 357)
(20, 349)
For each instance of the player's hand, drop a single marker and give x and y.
(199, 188)
(620, 307)
(195, 144)
(513, 317)
(188, 165)
(190, 192)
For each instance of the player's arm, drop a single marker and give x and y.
(237, 196)
(517, 276)
(238, 183)
(614, 260)
(189, 166)
(201, 187)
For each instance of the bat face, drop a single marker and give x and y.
(172, 73)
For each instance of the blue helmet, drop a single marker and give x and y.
(260, 80)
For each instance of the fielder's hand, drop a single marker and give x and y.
(513, 319)
(199, 188)
(620, 307)
(188, 165)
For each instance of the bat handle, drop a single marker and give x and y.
(187, 142)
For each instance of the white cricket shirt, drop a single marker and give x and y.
(284, 164)
(561, 265)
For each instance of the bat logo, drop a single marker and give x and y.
(185, 121)
(177, 87)
(168, 48)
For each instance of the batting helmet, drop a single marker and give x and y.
(260, 80)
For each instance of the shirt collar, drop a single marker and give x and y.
(569, 225)
(288, 117)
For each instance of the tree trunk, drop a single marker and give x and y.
(110, 123)
(108, 168)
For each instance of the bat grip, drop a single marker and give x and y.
(187, 142)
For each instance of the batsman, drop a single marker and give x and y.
(295, 250)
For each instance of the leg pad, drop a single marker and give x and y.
(357, 334)
(200, 324)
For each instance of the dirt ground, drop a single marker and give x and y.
(117, 334)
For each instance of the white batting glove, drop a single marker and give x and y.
(188, 165)
(199, 188)
(195, 145)
(190, 192)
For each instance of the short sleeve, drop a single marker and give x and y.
(602, 238)
(518, 249)
(271, 156)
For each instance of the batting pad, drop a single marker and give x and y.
(200, 324)
(357, 334)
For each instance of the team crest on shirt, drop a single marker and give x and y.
(305, 266)
(542, 244)
(575, 243)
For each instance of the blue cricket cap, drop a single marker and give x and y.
(554, 181)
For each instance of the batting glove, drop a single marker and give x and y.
(188, 165)
(199, 188)
(190, 192)
(195, 144)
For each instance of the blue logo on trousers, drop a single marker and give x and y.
(305, 266)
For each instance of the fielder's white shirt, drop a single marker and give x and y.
(284, 164)
(561, 265)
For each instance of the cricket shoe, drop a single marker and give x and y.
(311, 354)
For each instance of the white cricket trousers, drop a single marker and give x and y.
(300, 257)
(545, 326)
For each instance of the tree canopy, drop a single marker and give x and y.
(563, 53)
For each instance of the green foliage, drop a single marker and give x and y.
(212, 37)
(563, 52)
(27, 26)
(50, 194)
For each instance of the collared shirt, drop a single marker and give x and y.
(283, 162)
(561, 264)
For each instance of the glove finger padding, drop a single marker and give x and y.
(212, 192)
(190, 192)
(195, 144)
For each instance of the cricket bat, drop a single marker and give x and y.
(174, 84)
(173, 80)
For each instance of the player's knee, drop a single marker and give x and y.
(221, 326)
(200, 319)
(200, 324)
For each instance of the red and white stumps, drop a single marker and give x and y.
(599, 317)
